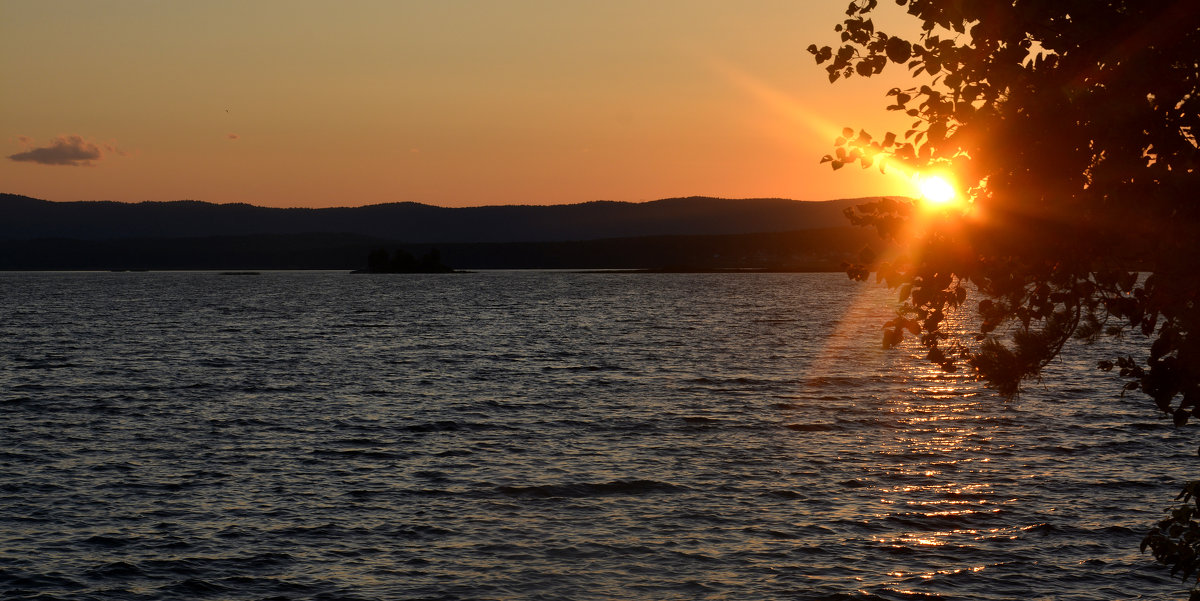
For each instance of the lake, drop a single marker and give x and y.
(548, 435)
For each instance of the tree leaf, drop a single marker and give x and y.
(898, 50)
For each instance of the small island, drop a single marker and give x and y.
(378, 261)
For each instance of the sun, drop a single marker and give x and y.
(936, 190)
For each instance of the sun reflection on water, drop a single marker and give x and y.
(927, 467)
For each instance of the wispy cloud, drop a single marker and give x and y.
(72, 151)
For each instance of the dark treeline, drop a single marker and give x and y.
(823, 249)
(402, 261)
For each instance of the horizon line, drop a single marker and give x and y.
(410, 202)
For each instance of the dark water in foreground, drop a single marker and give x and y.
(517, 435)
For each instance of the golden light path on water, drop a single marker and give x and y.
(925, 463)
(939, 428)
(939, 421)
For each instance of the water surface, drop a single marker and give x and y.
(546, 435)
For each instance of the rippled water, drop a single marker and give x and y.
(542, 435)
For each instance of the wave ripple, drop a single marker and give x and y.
(545, 435)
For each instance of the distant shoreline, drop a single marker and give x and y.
(226, 272)
(682, 235)
(712, 270)
(812, 250)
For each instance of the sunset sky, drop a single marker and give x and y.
(446, 102)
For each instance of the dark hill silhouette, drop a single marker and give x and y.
(24, 218)
(818, 249)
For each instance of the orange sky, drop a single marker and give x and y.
(446, 102)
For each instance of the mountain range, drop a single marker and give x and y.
(24, 218)
(696, 233)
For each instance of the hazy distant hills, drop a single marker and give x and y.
(686, 234)
(24, 218)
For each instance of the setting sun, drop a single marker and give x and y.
(936, 190)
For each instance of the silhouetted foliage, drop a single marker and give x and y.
(431, 261)
(377, 260)
(403, 261)
(1071, 126)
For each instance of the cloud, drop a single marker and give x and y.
(232, 136)
(73, 151)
